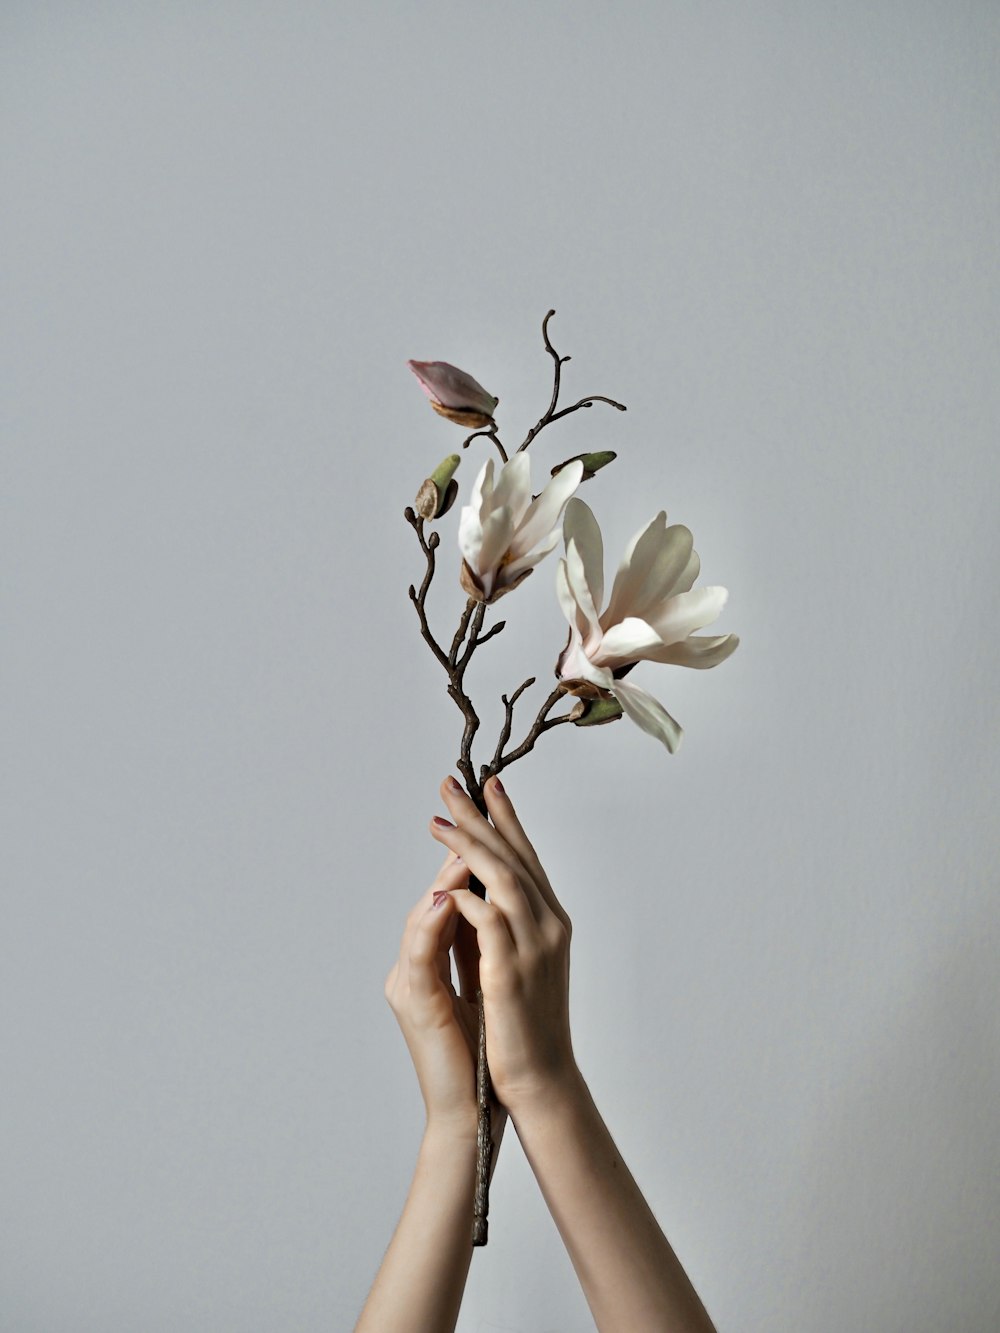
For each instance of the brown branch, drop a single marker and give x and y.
(494, 629)
(541, 724)
(463, 625)
(505, 730)
(419, 599)
(550, 414)
(560, 361)
(473, 617)
(464, 763)
(491, 434)
(478, 616)
(589, 401)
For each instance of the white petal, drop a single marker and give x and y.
(513, 487)
(591, 627)
(668, 567)
(627, 642)
(702, 651)
(483, 489)
(567, 601)
(497, 532)
(648, 713)
(544, 512)
(574, 664)
(636, 563)
(580, 526)
(691, 571)
(470, 535)
(533, 557)
(681, 615)
(658, 564)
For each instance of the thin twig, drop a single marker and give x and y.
(463, 625)
(560, 361)
(474, 614)
(429, 546)
(478, 616)
(505, 730)
(494, 629)
(589, 401)
(491, 434)
(550, 413)
(541, 724)
(464, 762)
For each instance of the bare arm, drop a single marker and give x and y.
(629, 1273)
(421, 1281)
(420, 1284)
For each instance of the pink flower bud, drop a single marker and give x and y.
(454, 394)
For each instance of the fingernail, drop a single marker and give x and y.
(498, 786)
(442, 823)
(439, 897)
(454, 786)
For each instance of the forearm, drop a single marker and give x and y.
(420, 1283)
(629, 1273)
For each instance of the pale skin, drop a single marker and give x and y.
(516, 947)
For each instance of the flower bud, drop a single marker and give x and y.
(454, 394)
(591, 462)
(596, 712)
(437, 494)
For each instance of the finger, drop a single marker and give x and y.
(466, 951)
(509, 827)
(496, 947)
(465, 814)
(504, 886)
(454, 874)
(427, 947)
(444, 953)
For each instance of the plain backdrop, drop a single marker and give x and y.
(772, 230)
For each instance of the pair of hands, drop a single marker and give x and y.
(514, 947)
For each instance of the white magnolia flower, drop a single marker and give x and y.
(503, 533)
(651, 616)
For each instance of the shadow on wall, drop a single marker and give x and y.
(900, 1166)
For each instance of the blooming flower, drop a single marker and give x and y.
(503, 533)
(651, 616)
(454, 394)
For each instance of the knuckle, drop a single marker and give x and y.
(507, 881)
(555, 933)
(418, 952)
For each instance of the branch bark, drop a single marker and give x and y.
(550, 414)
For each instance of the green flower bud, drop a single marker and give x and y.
(437, 494)
(591, 462)
(595, 712)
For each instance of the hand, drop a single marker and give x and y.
(524, 935)
(441, 1029)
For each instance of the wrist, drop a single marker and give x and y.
(452, 1128)
(560, 1090)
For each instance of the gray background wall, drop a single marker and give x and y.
(770, 229)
